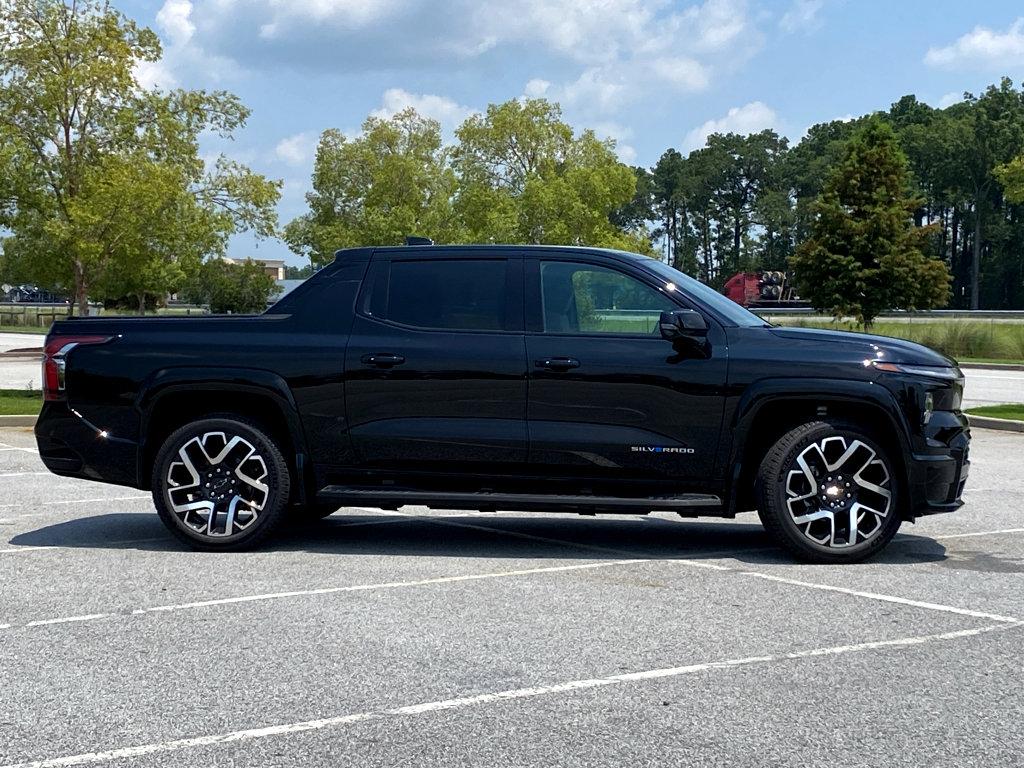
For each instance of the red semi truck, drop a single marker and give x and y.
(770, 288)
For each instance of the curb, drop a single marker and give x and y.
(25, 353)
(994, 423)
(1001, 366)
(18, 420)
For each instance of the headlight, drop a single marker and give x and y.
(935, 372)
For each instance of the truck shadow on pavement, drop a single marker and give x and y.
(460, 536)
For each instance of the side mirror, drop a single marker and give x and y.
(676, 325)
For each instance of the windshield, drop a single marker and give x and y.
(727, 308)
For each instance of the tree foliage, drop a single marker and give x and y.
(393, 180)
(865, 254)
(525, 177)
(104, 188)
(516, 174)
(231, 288)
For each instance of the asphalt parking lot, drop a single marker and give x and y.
(469, 639)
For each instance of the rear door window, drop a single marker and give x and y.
(452, 294)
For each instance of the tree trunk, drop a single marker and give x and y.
(954, 255)
(142, 304)
(737, 235)
(81, 290)
(976, 256)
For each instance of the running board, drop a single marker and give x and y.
(392, 499)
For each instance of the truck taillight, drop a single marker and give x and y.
(55, 358)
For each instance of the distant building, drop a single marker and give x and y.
(273, 267)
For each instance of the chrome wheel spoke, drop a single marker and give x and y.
(217, 485)
(838, 492)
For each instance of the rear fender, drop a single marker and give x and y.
(169, 382)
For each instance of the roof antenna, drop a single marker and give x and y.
(415, 240)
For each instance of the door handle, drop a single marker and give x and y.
(383, 360)
(557, 364)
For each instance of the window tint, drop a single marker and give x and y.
(589, 299)
(458, 294)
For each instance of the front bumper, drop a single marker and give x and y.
(937, 474)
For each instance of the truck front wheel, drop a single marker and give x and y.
(828, 493)
(220, 484)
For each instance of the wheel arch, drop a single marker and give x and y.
(175, 397)
(772, 408)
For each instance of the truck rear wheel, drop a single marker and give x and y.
(828, 493)
(221, 484)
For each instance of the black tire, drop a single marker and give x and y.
(248, 487)
(786, 498)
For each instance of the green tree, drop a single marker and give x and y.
(231, 288)
(865, 255)
(298, 273)
(105, 188)
(393, 180)
(992, 135)
(525, 177)
(1011, 177)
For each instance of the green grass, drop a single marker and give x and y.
(20, 401)
(29, 322)
(1004, 361)
(974, 340)
(23, 329)
(1003, 411)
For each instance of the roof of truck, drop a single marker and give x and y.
(441, 250)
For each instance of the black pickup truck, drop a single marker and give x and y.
(532, 378)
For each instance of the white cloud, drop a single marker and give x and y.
(536, 88)
(802, 16)
(618, 133)
(154, 74)
(175, 19)
(598, 89)
(983, 48)
(296, 150)
(449, 113)
(181, 54)
(951, 98)
(606, 52)
(348, 14)
(684, 73)
(719, 23)
(750, 118)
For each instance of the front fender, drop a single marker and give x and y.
(765, 392)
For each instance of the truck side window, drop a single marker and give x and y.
(585, 298)
(456, 294)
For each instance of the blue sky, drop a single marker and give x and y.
(651, 74)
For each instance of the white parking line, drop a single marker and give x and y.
(483, 700)
(331, 590)
(16, 475)
(755, 574)
(63, 620)
(496, 575)
(976, 534)
(71, 502)
(19, 448)
(382, 586)
(881, 597)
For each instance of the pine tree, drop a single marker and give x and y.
(865, 255)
